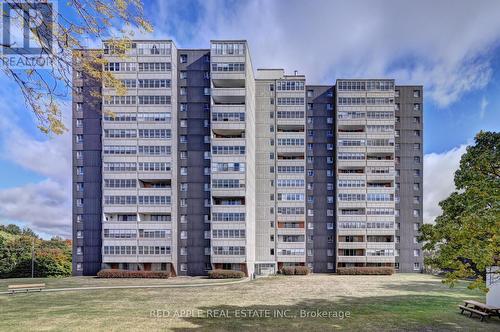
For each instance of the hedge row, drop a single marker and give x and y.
(294, 270)
(365, 270)
(225, 274)
(114, 273)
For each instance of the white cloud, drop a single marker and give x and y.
(484, 103)
(439, 171)
(424, 42)
(43, 206)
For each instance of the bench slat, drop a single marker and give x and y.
(26, 286)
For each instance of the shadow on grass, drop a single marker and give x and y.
(382, 313)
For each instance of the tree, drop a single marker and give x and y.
(12, 229)
(465, 238)
(52, 258)
(82, 20)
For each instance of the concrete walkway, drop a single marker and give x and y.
(208, 284)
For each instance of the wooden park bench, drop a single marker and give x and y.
(478, 308)
(25, 288)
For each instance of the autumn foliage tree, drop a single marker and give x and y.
(75, 24)
(465, 239)
(52, 257)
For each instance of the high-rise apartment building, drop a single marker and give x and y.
(202, 165)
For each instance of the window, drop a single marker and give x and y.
(416, 226)
(79, 107)
(416, 213)
(79, 138)
(416, 266)
(79, 266)
(183, 171)
(416, 107)
(416, 253)
(183, 123)
(310, 93)
(183, 58)
(79, 155)
(183, 75)
(416, 119)
(416, 200)
(184, 107)
(416, 93)
(416, 133)
(79, 170)
(79, 123)
(416, 160)
(183, 154)
(416, 186)
(183, 91)
(396, 93)
(183, 265)
(206, 91)
(79, 186)
(416, 173)
(416, 146)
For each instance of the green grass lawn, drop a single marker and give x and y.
(410, 302)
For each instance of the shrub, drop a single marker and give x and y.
(114, 273)
(365, 270)
(225, 274)
(288, 270)
(301, 270)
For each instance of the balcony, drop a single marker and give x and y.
(380, 231)
(228, 96)
(380, 245)
(351, 231)
(290, 231)
(351, 245)
(380, 259)
(228, 79)
(351, 259)
(227, 258)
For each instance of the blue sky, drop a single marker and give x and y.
(450, 47)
